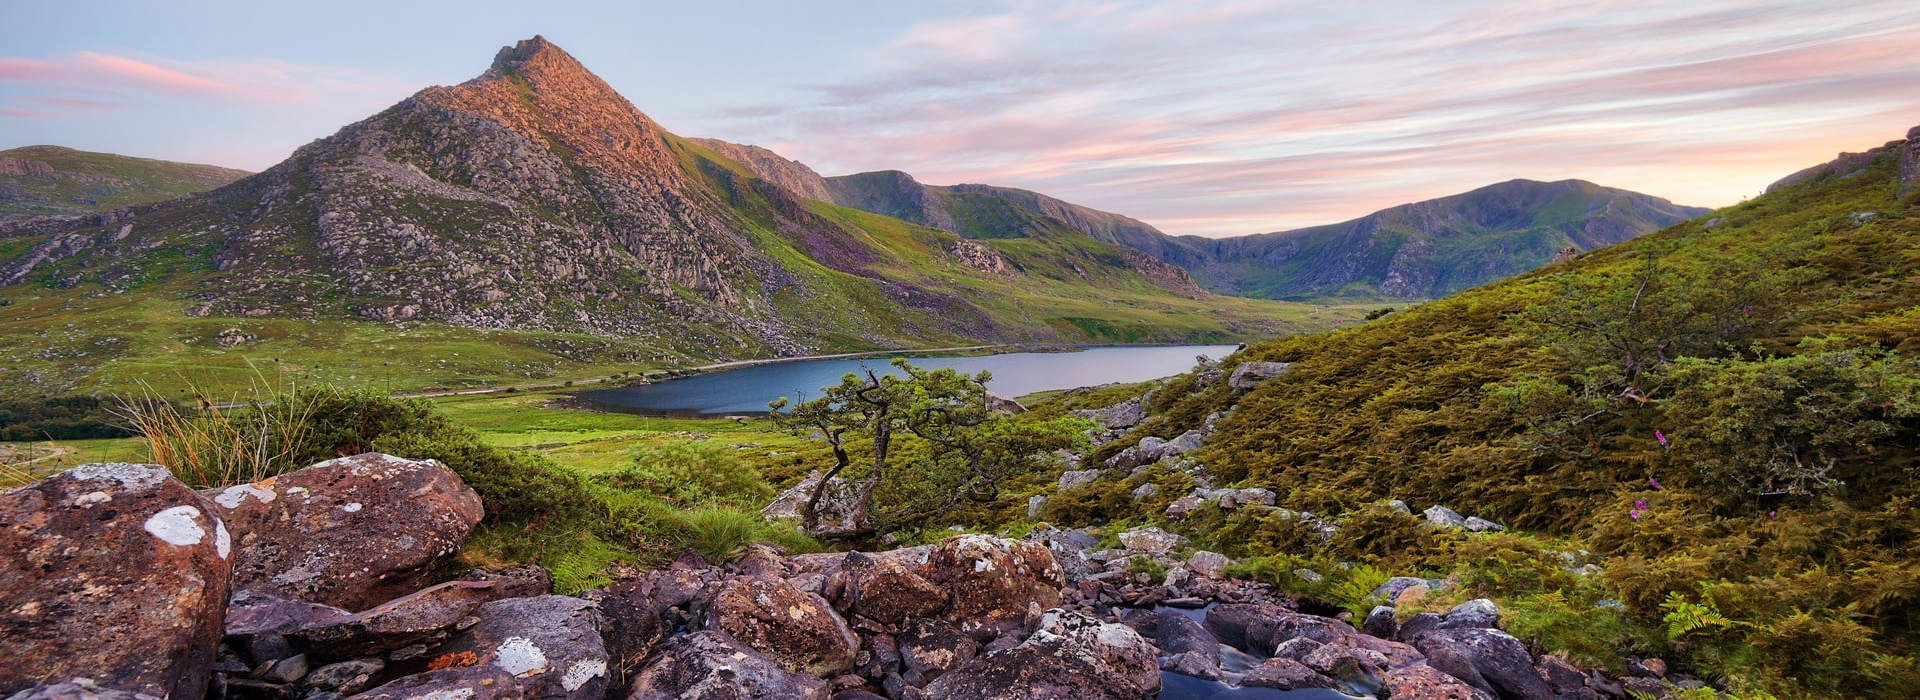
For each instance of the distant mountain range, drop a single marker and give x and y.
(1424, 250)
(55, 181)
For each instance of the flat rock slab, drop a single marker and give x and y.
(113, 572)
(396, 623)
(352, 532)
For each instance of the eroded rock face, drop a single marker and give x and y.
(352, 532)
(549, 645)
(1070, 656)
(1120, 416)
(795, 628)
(709, 665)
(113, 572)
(994, 582)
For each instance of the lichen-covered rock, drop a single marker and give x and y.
(793, 627)
(1070, 655)
(929, 648)
(1479, 612)
(352, 532)
(885, 591)
(1073, 479)
(113, 572)
(995, 583)
(1250, 374)
(395, 623)
(1151, 540)
(838, 513)
(708, 665)
(635, 613)
(1418, 681)
(550, 645)
(1445, 517)
(1208, 564)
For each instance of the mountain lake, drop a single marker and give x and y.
(748, 389)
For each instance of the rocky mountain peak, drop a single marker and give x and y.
(510, 57)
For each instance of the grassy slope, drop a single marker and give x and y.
(95, 182)
(1817, 588)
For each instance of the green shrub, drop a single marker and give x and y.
(692, 472)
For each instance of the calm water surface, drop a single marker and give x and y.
(748, 389)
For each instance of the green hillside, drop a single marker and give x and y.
(1723, 417)
(56, 181)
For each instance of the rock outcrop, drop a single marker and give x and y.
(116, 573)
(352, 532)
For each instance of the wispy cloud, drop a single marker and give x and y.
(90, 80)
(1226, 116)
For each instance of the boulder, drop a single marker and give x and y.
(470, 682)
(1418, 681)
(708, 665)
(1180, 507)
(114, 572)
(929, 648)
(1390, 591)
(1381, 622)
(550, 645)
(1151, 540)
(1145, 491)
(1193, 663)
(1178, 634)
(396, 623)
(1208, 564)
(1120, 416)
(1488, 659)
(1003, 405)
(345, 677)
(795, 628)
(1281, 673)
(1416, 625)
(352, 532)
(885, 591)
(1358, 668)
(1034, 504)
(1270, 631)
(838, 513)
(1070, 655)
(1250, 374)
(634, 612)
(1231, 499)
(994, 583)
(1477, 524)
(1074, 479)
(1445, 517)
(1476, 613)
(1229, 622)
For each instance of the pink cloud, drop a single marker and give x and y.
(91, 80)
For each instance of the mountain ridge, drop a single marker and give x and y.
(46, 180)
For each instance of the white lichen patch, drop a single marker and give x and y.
(222, 542)
(133, 477)
(520, 657)
(177, 526)
(235, 495)
(582, 671)
(89, 500)
(351, 507)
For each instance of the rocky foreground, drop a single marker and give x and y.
(117, 581)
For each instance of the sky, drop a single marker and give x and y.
(1205, 117)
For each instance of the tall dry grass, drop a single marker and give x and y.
(248, 439)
